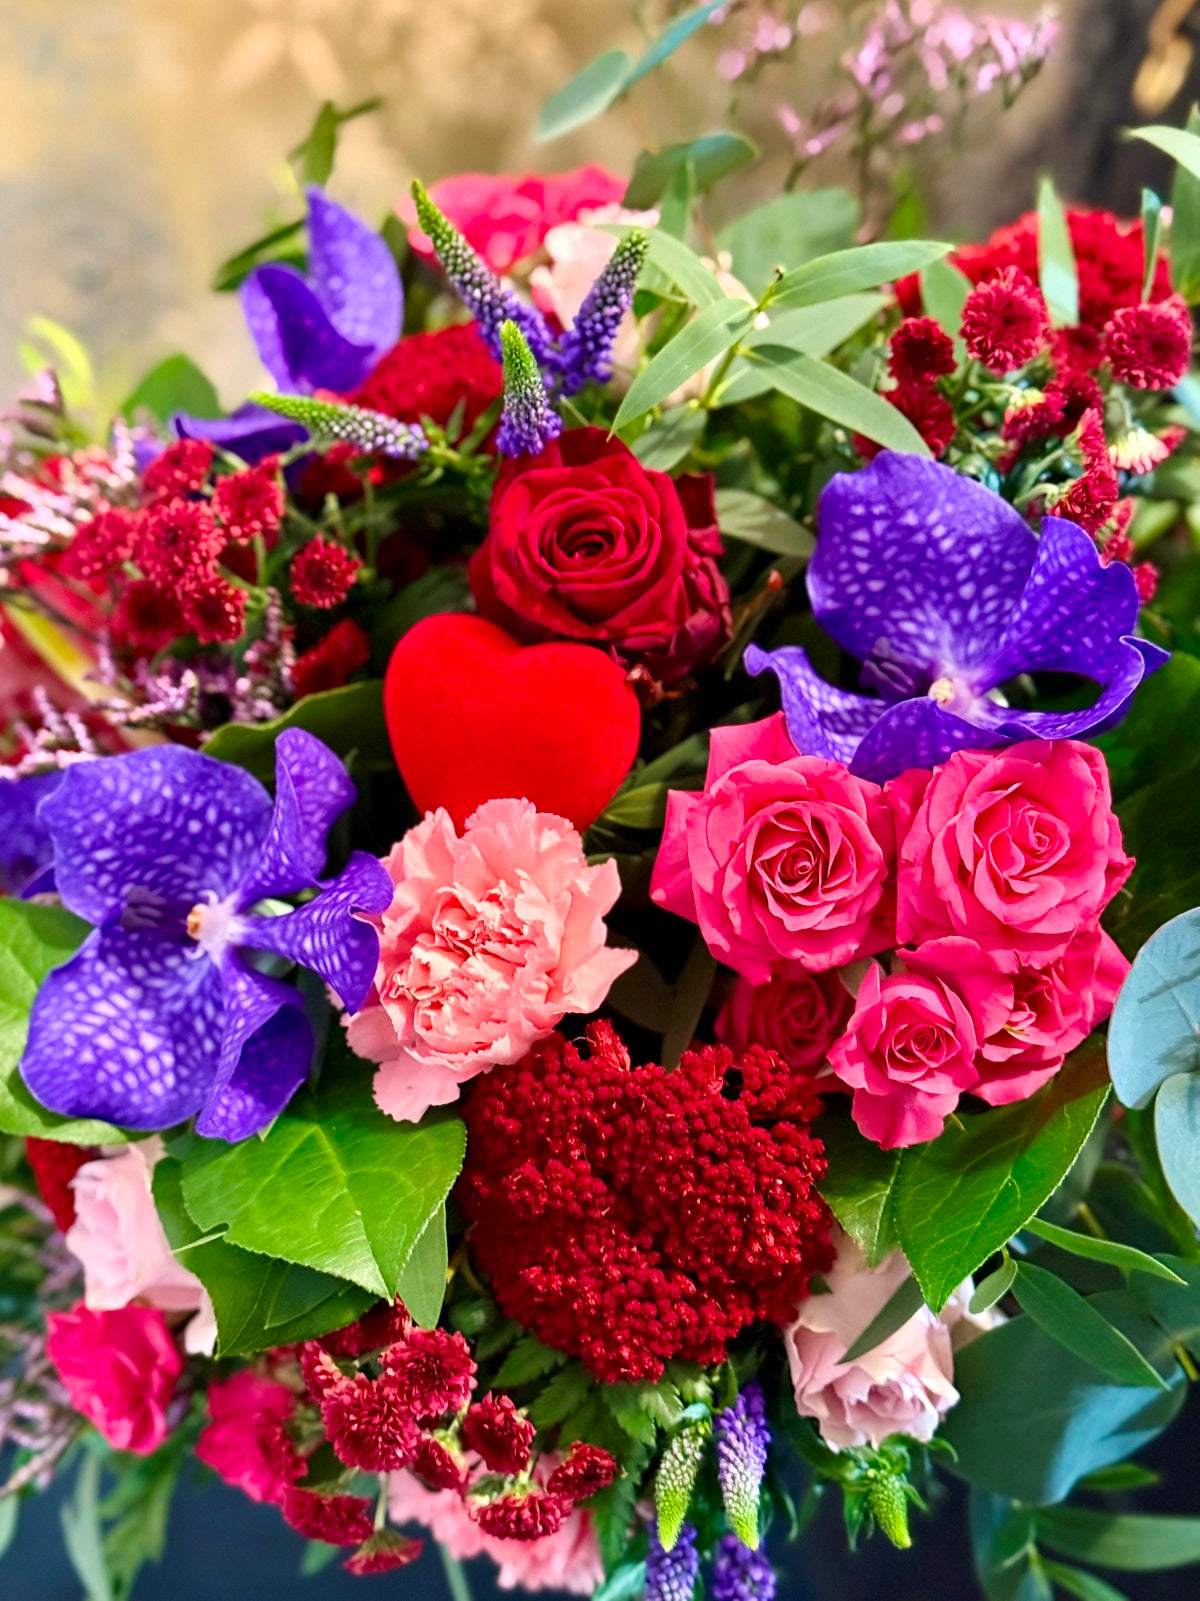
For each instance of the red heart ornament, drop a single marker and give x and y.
(473, 715)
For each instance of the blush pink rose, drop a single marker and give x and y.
(568, 1560)
(246, 1441)
(798, 1016)
(491, 938)
(120, 1369)
(781, 859)
(904, 1386)
(1016, 849)
(578, 253)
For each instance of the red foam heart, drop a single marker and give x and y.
(473, 716)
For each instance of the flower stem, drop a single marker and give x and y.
(456, 1575)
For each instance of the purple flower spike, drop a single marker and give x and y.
(740, 1574)
(161, 1015)
(528, 422)
(585, 352)
(742, 1438)
(26, 851)
(671, 1575)
(944, 593)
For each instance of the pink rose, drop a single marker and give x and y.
(246, 1442)
(119, 1240)
(798, 1016)
(1016, 849)
(569, 1559)
(491, 938)
(909, 1049)
(505, 217)
(903, 1386)
(120, 1369)
(780, 859)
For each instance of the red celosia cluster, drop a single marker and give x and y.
(322, 572)
(332, 661)
(1004, 321)
(630, 1215)
(431, 375)
(54, 1165)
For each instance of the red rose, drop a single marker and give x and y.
(587, 544)
(120, 1369)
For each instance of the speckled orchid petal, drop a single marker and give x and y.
(297, 343)
(354, 275)
(312, 789)
(250, 432)
(266, 1054)
(821, 720)
(26, 849)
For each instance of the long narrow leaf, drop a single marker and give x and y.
(1057, 271)
(845, 272)
(713, 332)
(1074, 1323)
(588, 94)
(905, 1303)
(832, 394)
(1127, 1257)
(1131, 1542)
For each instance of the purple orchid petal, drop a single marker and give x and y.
(354, 276)
(252, 432)
(26, 849)
(325, 936)
(147, 835)
(298, 344)
(918, 562)
(1136, 658)
(821, 720)
(128, 1030)
(920, 733)
(266, 1054)
(312, 789)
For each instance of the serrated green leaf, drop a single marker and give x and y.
(965, 1194)
(563, 1393)
(830, 393)
(422, 1283)
(845, 272)
(175, 384)
(710, 334)
(1126, 1257)
(1132, 1542)
(529, 1359)
(1058, 275)
(712, 157)
(370, 1185)
(350, 721)
(759, 522)
(905, 1303)
(1071, 1319)
(34, 940)
(859, 1187)
(624, 1402)
(587, 94)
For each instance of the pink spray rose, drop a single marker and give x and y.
(491, 938)
(120, 1369)
(1016, 849)
(781, 859)
(245, 1441)
(903, 1386)
(799, 1016)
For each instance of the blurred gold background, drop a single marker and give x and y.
(143, 140)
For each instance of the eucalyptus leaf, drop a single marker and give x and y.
(1125, 1257)
(588, 94)
(845, 272)
(756, 521)
(713, 157)
(672, 36)
(1144, 1542)
(1154, 1032)
(1057, 272)
(1072, 1320)
(1177, 1130)
(349, 720)
(789, 230)
(713, 332)
(904, 1304)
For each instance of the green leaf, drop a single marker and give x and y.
(706, 338)
(1143, 750)
(10, 1508)
(34, 940)
(237, 268)
(588, 94)
(625, 1404)
(1154, 1033)
(994, 1288)
(440, 589)
(677, 262)
(644, 807)
(136, 1509)
(669, 40)
(626, 1582)
(816, 330)
(1185, 224)
(1126, 1257)
(370, 1185)
(1175, 1308)
(176, 384)
(561, 1395)
(859, 1187)
(1121, 1476)
(712, 157)
(904, 1304)
(759, 522)
(1057, 273)
(1072, 1320)
(1078, 1583)
(1131, 1542)
(845, 272)
(312, 159)
(529, 1359)
(1002, 1546)
(422, 1284)
(1152, 226)
(669, 439)
(349, 720)
(1177, 1130)
(944, 291)
(788, 231)
(830, 393)
(82, 1534)
(1181, 146)
(965, 1194)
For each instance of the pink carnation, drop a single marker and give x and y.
(799, 1016)
(245, 1441)
(120, 1369)
(568, 1559)
(781, 859)
(492, 936)
(903, 1386)
(1016, 849)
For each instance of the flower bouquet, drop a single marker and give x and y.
(566, 864)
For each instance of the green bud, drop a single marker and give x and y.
(887, 1497)
(676, 1480)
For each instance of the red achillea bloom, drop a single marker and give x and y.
(496, 1431)
(182, 469)
(430, 375)
(146, 619)
(1149, 346)
(178, 544)
(1004, 321)
(54, 1165)
(249, 504)
(216, 611)
(586, 1470)
(101, 546)
(367, 1424)
(919, 351)
(930, 413)
(528, 1515)
(438, 1465)
(336, 1519)
(332, 662)
(631, 1215)
(322, 572)
(431, 1371)
(383, 1553)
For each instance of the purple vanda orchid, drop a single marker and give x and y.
(26, 851)
(161, 1015)
(325, 330)
(943, 592)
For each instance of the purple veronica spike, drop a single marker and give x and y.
(585, 354)
(26, 850)
(354, 276)
(251, 432)
(156, 1019)
(944, 594)
(528, 422)
(742, 1438)
(740, 1574)
(671, 1575)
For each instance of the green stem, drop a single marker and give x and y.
(456, 1576)
(1090, 1221)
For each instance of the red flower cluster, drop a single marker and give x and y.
(333, 661)
(1004, 321)
(54, 1165)
(630, 1215)
(322, 573)
(919, 353)
(249, 505)
(430, 375)
(494, 1430)
(1149, 346)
